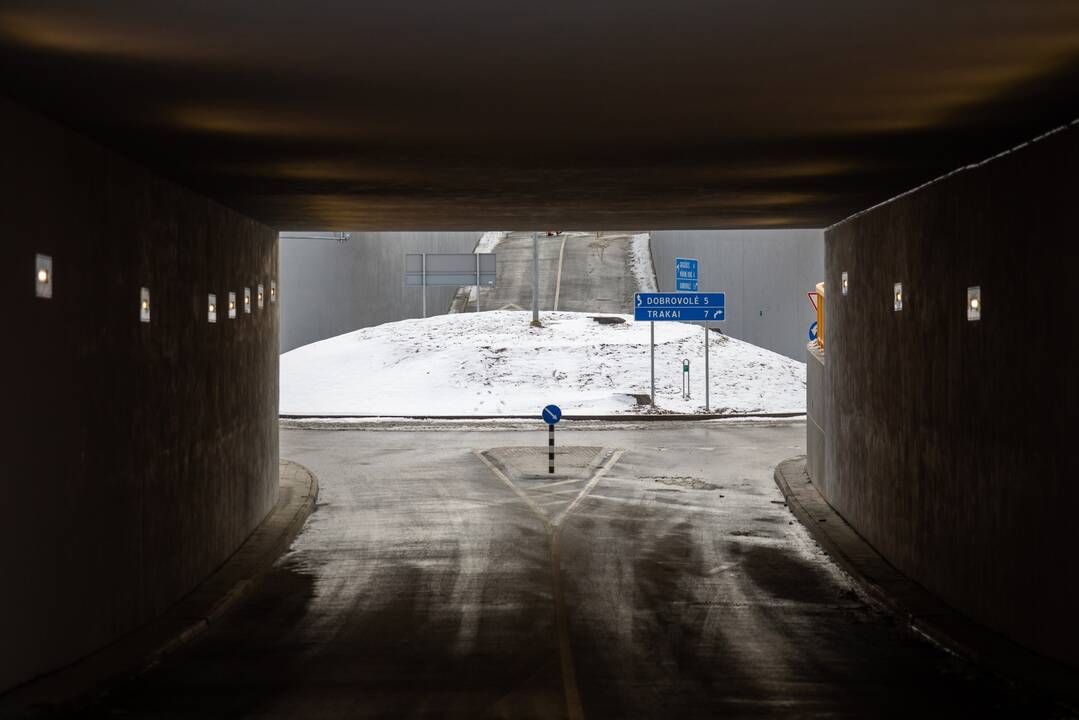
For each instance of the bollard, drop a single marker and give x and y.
(550, 450)
(551, 415)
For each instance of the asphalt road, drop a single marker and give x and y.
(668, 580)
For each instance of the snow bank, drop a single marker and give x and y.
(489, 241)
(493, 363)
(641, 262)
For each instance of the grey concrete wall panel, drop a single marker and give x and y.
(137, 456)
(815, 408)
(765, 273)
(950, 445)
(329, 287)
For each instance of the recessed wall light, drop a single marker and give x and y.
(211, 308)
(247, 301)
(974, 303)
(232, 305)
(897, 296)
(144, 305)
(43, 276)
(260, 296)
(843, 284)
(273, 291)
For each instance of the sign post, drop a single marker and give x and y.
(706, 404)
(686, 277)
(680, 307)
(535, 280)
(652, 344)
(551, 415)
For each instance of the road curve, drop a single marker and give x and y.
(423, 586)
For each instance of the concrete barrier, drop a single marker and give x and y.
(949, 443)
(136, 456)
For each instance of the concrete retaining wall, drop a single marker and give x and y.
(815, 412)
(329, 287)
(949, 444)
(136, 457)
(765, 273)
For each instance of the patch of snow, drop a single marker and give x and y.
(494, 363)
(641, 262)
(489, 241)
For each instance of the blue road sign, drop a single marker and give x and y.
(685, 274)
(552, 414)
(680, 307)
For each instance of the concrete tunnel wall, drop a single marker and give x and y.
(136, 457)
(949, 445)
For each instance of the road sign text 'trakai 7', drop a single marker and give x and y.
(680, 307)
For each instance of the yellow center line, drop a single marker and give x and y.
(574, 709)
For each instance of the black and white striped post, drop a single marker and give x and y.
(551, 415)
(550, 449)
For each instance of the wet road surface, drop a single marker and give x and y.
(660, 576)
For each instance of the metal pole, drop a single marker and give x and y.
(706, 406)
(477, 283)
(653, 344)
(550, 450)
(423, 258)
(535, 279)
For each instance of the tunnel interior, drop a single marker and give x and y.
(158, 149)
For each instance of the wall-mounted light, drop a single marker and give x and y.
(211, 308)
(43, 276)
(273, 291)
(897, 296)
(260, 296)
(232, 306)
(843, 283)
(247, 301)
(144, 305)
(974, 303)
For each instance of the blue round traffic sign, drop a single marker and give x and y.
(552, 414)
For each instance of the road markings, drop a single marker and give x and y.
(588, 488)
(553, 484)
(574, 709)
(520, 493)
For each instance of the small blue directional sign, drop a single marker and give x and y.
(552, 414)
(685, 274)
(680, 307)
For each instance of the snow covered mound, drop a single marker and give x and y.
(493, 363)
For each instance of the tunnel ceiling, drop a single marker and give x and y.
(385, 114)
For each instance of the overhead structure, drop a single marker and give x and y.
(476, 114)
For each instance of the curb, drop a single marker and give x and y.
(652, 417)
(923, 612)
(133, 654)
